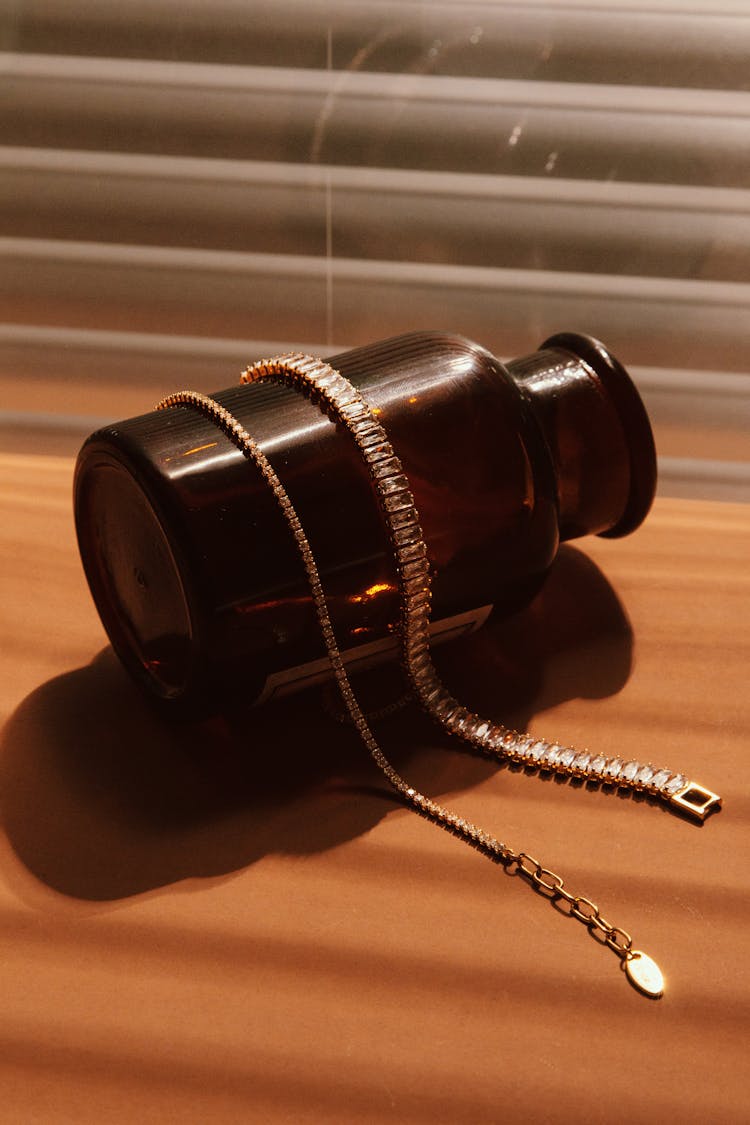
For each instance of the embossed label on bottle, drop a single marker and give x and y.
(366, 656)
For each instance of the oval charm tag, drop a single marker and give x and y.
(644, 973)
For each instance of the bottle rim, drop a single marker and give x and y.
(639, 438)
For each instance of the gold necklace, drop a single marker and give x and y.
(344, 404)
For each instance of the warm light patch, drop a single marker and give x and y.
(190, 452)
(372, 592)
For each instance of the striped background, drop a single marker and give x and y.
(188, 186)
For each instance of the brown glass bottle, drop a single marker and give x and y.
(193, 568)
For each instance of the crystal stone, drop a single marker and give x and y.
(536, 750)
(597, 765)
(581, 761)
(613, 768)
(415, 568)
(678, 782)
(644, 775)
(628, 772)
(399, 501)
(405, 519)
(377, 453)
(444, 709)
(354, 411)
(660, 779)
(518, 743)
(459, 720)
(566, 757)
(412, 551)
(396, 483)
(499, 742)
(551, 755)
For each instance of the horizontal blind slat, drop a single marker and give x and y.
(173, 184)
(81, 162)
(525, 223)
(653, 320)
(677, 45)
(690, 137)
(149, 74)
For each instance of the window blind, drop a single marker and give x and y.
(186, 187)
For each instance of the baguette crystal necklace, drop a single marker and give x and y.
(344, 405)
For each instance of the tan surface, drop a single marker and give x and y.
(208, 924)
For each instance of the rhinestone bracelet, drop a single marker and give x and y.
(344, 404)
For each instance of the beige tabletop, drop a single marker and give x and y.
(237, 922)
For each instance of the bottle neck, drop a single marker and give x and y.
(597, 432)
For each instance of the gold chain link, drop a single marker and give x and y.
(586, 911)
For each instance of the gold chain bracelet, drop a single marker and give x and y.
(344, 404)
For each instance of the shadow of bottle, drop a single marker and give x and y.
(103, 799)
